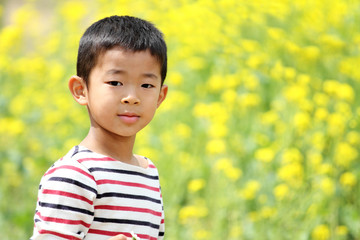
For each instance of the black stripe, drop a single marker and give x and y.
(126, 221)
(161, 234)
(67, 208)
(122, 195)
(95, 169)
(74, 182)
(76, 150)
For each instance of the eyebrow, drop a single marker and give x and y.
(115, 71)
(119, 72)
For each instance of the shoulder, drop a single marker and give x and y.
(69, 163)
(145, 162)
(69, 171)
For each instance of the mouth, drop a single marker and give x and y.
(129, 118)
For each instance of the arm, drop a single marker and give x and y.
(119, 237)
(65, 203)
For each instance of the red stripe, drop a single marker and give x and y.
(96, 159)
(72, 168)
(162, 221)
(152, 166)
(143, 236)
(106, 181)
(69, 237)
(67, 194)
(109, 233)
(64, 221)
(132, 209)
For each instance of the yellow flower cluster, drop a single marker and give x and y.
(259, 132)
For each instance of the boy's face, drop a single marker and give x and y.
(124, 91)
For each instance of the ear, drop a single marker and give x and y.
(78, 89)
(162, 95)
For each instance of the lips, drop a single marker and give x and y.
(129, 118)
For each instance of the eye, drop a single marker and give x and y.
(115, 83)
(147, 85)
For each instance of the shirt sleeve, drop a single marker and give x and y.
(65, 208)
(162, 224)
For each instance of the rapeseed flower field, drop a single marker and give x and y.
(258, 138)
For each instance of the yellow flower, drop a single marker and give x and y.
(73, 11)
(236, 231)
(267, 212)
(182, 130)
(302, 121)
(248, 100)
(216, 146)
(292, 47)
(11, 126)
(310, 53)
(341, 230)
(216, 83)
(269, 117)
(331, 42)
(174, 78)
(321, 114)
(200, 110)
(292, 173)
(265, 154)
(229, 96)
(202, 234)
(345, 154)
(192, 211)
(353, 137)
(10, 36)
(251, 82)
(321, 99)
(331, 87)
(196, 184)
(255, 60)
(233, 173)
(196, 63)
(281, 191)
(295, 92)
(289, 73)
(348, 179)
(315, 159)
(327, 185)
(276, 33)
(175, 99)
(321, 232)
(225, 165)
(250, 45)
(250, 190)
(325, 169)
(291, 155)
(10, 174)
(345, 92)
(336, 123)
(349, 67)
(218, 130)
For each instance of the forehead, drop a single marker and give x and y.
(136, 60)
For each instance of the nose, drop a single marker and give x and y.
(131, 98)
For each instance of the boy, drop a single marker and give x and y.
(100, 189)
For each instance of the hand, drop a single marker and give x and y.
(119, 237)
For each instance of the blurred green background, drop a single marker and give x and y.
(259, 135)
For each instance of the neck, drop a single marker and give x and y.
(117, 147)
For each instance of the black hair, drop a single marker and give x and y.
(126, 32)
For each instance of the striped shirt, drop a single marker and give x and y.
(86, 195)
